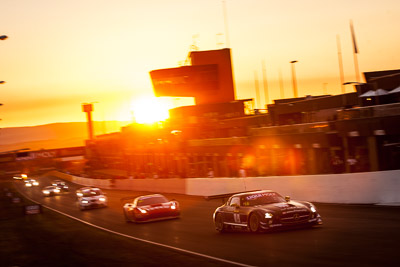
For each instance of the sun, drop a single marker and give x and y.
(147, 110)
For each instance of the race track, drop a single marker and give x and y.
(352, 235)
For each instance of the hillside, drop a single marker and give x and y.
(49, 136)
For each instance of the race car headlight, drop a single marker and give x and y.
(28, 185)
(46, 192)
(142, 211)
(79, 194)
(85, 201)
(268, 215)
(57, 190)
(313, 209)
(102, 199)
(35, 183)
(173, 207)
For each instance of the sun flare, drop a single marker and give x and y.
(150, 109)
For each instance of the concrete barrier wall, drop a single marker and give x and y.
(103, 183)
(357, 188)
(351, 188)
(173, 185)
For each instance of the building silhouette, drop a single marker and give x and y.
(351, 132)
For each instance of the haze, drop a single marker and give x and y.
(61, 54)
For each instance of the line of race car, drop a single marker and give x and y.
(254, 211)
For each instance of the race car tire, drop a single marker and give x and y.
(254, 223)
(219, 223)
(126, 217)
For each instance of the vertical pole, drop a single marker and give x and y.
(346, 153)
(340, 64)
(90, 125)
(294, 79)
(373, 153)
(257, 90)
(88, 108)
(226, 25)
(356, 68)
(264, 71)
(355, 51)
(281, 84)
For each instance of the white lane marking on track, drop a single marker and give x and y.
(139, 239)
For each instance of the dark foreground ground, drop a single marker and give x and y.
(51, 239)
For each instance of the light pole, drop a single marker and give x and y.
(294, 78)
(3, 37)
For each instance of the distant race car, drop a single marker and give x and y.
(150, 208)
(31, 182)
(264, 210)
(91, 197)
(21, 177)
(60, 184)
(50, 190)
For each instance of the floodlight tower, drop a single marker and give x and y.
(294, 78)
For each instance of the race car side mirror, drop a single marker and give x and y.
(287, 198)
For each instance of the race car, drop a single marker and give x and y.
(60, 184)
(31, 182)
(21, 177)
(264, 210)
(50, 190)
(91, 197)
(150, 208)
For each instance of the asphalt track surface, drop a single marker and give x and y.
(352, 235)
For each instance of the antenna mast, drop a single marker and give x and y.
(264, 72)
(226, 24)
(340, 64)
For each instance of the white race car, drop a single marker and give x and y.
(50, 190)
(91, 197)
(31, 182)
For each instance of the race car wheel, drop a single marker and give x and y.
(219, 223)
(254, 223)
(126, 217)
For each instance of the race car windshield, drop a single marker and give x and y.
(91, 193)
(151, 200)
(261, 199)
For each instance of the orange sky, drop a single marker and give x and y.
(63, 53)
